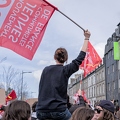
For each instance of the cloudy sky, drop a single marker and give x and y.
(99, 17)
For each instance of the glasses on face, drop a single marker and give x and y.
(98, 110)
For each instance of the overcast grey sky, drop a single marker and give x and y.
(99, 17)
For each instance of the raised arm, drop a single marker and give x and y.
(85, 44)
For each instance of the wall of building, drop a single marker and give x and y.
(93, 85)
(112, 68)
(2, 97)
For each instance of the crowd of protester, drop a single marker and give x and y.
(53, 101)
(102, 110)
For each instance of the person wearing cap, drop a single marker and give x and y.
(105, 110)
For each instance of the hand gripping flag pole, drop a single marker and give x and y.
(64, 15)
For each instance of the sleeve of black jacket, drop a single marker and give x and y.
(75, 64)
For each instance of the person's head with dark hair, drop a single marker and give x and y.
(82, 103)
(61, 55)
(83, 114)
(17, 110)
(3, 108)
(34, 106)
(81, 100)
(33, 115)
(117, 108)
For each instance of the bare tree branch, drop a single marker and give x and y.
(12, 79)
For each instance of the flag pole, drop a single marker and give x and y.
(80, 84)
(64, 15)
(71, 20)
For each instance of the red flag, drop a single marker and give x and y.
(92, 60)
(22, 25)
(11, 96)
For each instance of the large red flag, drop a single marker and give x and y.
(11, 96)
(23, 23)
(92, 60)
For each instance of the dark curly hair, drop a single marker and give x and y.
(61, 55)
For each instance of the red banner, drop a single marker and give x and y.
(22, 25)
(92, 60)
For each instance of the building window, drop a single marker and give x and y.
(92, 80)
(119, 64)
(108, 86)
(113, 67)
(102, 74)
(108, 69)
(94, 90)
(114, 84)
(119, 83)
(108, 56)
(97, 77)
(119, 74)
(100, 89)
(112, 52)
(89, 92)
(97, 90)
(103, 88)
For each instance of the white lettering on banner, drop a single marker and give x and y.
(19, 4)
(12, 18)
(45, 15)
(38, 29)
(23, 29)
(28, 9)
(20, 25)
(30, 27)
(26, 13)
(5, 3)
(5, 8)
(16, 32)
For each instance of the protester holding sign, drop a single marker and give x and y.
(52, 99)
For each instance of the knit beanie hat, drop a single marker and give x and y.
(108, 105)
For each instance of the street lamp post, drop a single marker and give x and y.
(22, 84)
